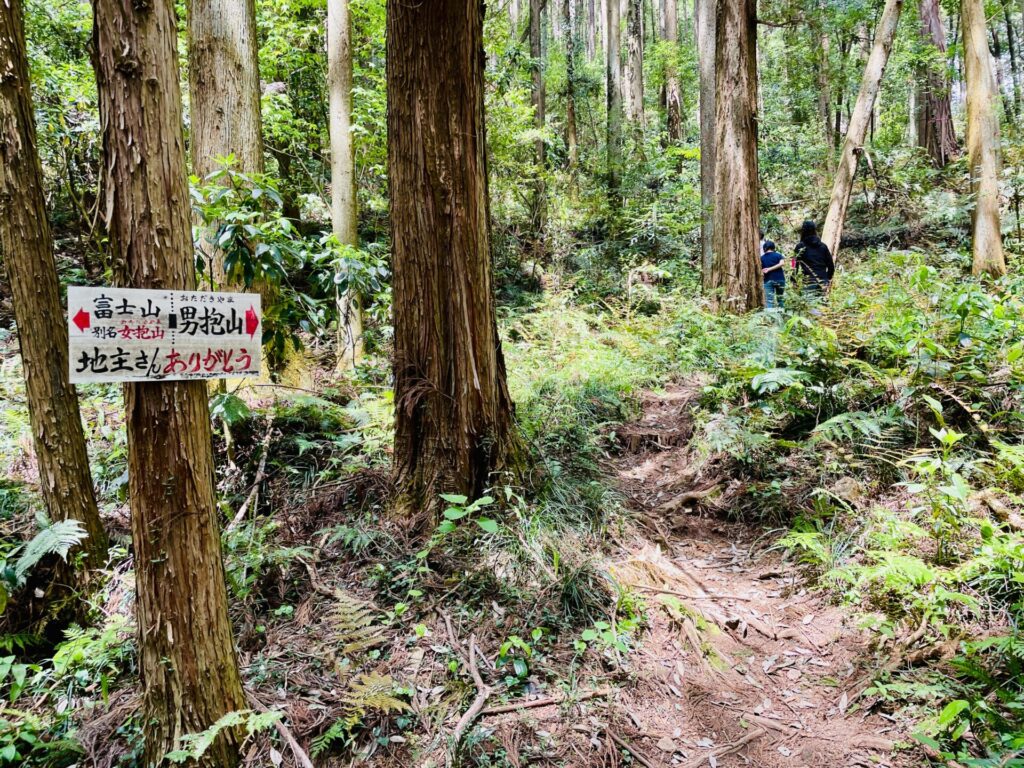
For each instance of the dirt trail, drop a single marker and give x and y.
(740, 665)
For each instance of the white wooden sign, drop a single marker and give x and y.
(128, 334)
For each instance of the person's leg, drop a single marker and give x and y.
(780, 290)
(769, 295)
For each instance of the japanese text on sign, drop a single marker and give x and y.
(128, 334)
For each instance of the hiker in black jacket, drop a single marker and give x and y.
(814, 260)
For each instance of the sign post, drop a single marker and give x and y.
(129, 334)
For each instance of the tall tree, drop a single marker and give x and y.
(224, 92)
(736, 282)
(706, 28)
(860, 119)
(635, 62)
(187, 660)
(822, 45)
(538, 97)
(344, 213)
(1015, 67)
(935, 132)
(982, 141)
(453, 413)
(613, 93)
(673, 95)
(592, 26)
(64, 479)
(571, 138)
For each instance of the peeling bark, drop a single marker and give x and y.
(736, 283)
(65, 481)
(935, 132)
(188, 667)
(454, 426)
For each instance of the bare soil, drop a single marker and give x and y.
(740, 665)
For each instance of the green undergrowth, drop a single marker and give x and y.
(885, 429)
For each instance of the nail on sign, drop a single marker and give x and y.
(128, 334)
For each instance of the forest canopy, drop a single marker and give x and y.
(633, 382)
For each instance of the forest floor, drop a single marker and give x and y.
(741, 665)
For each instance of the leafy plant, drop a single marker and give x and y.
(52, 539)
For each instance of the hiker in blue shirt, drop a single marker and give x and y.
(774, 276)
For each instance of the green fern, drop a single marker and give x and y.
(778, 378)
(355, 624)
(849, 426)
(54, 539)
(365, 694)
(339, 732)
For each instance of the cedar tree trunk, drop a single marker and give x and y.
(188, 668)
(539, 202)
(935, 131)
(673, 95)
(454, 419)
(224, 94)
(707, 23)
(635, 64)
(571, 137)
(64, 479)
(613, 92)
(737, 284)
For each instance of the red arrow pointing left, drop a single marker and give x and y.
(252, 321)
(81, 319)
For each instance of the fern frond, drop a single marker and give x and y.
(373, 692)
(339, 731)
(355, 624)
(56, 539)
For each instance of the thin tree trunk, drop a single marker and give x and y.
(635, 63)
(821, 72)
(673, 94)
(591, 30)
(997, 55)
(453, 413)
(935, 132)
(982, 142)
(344, 213)
(27, 246)
(187, 661)
(705, 12)
(737, 284)
(613, 88)
(1011, 45)
(571, 140)
(860, 119)
(912, 115)
(539, 203)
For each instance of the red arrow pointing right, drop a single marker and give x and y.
(252, 321)
(81, 319)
